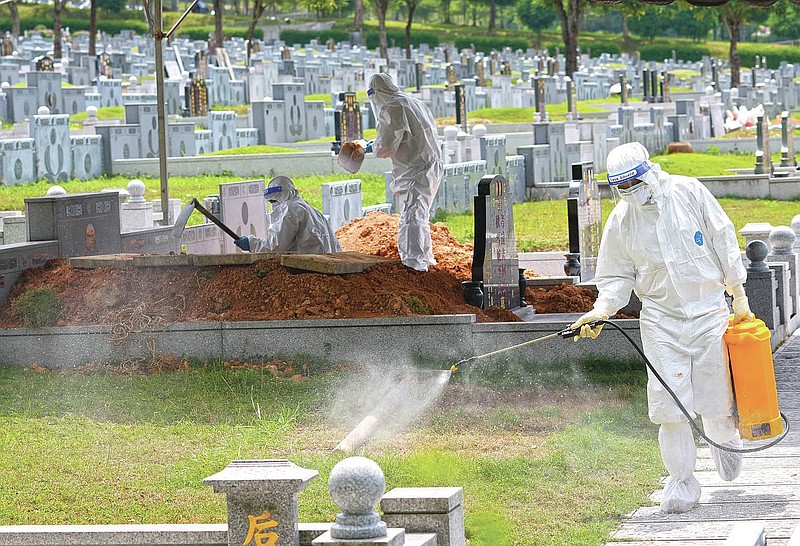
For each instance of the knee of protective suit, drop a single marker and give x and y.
(720, 429)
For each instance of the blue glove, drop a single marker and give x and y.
(369, 149)
(243, 243)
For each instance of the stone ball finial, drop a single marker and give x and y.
(450, 131)
(91, 111)
(54, 191)
(796, 225)
(5, 85)
(781, 239)
(136, 189)
(479, 130)
(132, 80)
(756, 251)
(43, 111)
(356, 485)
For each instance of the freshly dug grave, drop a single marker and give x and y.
(267, 290)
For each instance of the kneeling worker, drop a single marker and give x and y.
(295, 226)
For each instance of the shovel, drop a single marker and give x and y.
(183, 217)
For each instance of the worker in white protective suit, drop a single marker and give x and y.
(294, 225)
(407, 134)
(670, 242)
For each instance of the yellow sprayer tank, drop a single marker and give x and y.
(754, 380)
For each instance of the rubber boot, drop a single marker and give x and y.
(678, 451)
(722, 431)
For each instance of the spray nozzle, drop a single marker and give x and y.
(569, 332)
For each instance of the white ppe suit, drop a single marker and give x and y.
(407, 134)
(675, 247)
(295, 226)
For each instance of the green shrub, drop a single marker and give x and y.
(775, 53)
(37, 307)
(371, 38)
(661, 51)
(292, 36)
(596, 49)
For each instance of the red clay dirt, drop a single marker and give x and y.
(267, 290)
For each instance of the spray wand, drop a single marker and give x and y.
(569, 332)
(565, 333)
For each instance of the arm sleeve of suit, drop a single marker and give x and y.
(616, 273)
(723, 240)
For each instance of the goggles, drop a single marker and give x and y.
(273, 189)
(636, 187)
(631, 174)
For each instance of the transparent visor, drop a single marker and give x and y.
(633, 189)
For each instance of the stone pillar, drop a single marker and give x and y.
(450, 144)
(782, 239)
(15, 230)
(427, 510)
(262, 500)
(478, 131)
(796, 228)
(137, 213)
(761, 285)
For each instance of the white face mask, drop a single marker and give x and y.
(637, 195)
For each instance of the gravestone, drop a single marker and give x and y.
(17, 161)
(50, 134)
(347, 118)
(461, 107)
(197, 96)
(16, 258)
(787, 141)
(341, 202)
(154, 240)
(244, 210)
(202, 239)
(495, 261)
(223, 129)
(261, 500)
(493, 152)
(584, 218)
(146, 117)
(87, 156)
(83, 224)
(763, 157)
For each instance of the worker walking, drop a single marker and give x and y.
(407, 134)
(295, 226)
(670, 242)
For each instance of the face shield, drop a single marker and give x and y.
(630, 186)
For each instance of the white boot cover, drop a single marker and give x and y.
(722, 431)
(678, 452)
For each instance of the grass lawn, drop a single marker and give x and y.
(548, 439)
(539, 225)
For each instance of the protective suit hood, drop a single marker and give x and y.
(280, 189)
(382, 90)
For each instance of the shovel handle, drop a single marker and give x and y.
(214, 219)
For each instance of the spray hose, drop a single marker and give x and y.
(568, 333)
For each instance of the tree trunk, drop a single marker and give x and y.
(382, 6)
(258, 9)
(58, 5)
(358, 15)
(412, 5)
(733, 24)
(219, 36)
(570, 26)
(492, 14)
(12, 7)
(446, 12)
(93, 28)
(625, 31)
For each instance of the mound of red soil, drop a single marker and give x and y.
(142, 296)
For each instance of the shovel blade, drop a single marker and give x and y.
(183, 217)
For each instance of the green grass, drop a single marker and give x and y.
(259, 149)
(115, 448)
(108, 112)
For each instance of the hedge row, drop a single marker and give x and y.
(372, 38)
(686, 52)
(292, 36)
(489, 43)
(773, 52)
(115, 26)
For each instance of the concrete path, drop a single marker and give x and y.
(768, 489)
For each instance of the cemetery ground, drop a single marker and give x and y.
(547, 454)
